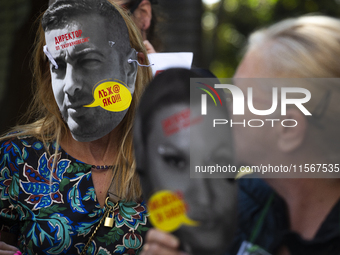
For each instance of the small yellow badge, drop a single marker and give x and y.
(168, 211)
(111, 96)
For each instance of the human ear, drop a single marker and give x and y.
(291, 138)
(132, 68)
(143, 15)
(141, 58)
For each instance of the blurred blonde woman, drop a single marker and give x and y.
(293, 216)
(287, 216)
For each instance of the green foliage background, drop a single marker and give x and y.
(227, 24)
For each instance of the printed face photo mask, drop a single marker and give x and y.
(92, 71)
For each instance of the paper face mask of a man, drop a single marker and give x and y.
(88, 48)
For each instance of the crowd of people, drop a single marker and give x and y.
(107, 135)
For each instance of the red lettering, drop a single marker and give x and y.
(100, 94)
(110, 90)
(159, 217)
(105, 103)
(109, 101)
(164, 200)
(116, 98)
(168, 199)
(174, 212)
(166, 123)
(177, 118)
(69, 36)
(186, 114)
(153, 205)
(172, 130)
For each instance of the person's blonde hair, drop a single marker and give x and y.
(306, 47)
(48, 125)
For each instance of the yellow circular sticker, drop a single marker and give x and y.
(167, 211)
(111, 96)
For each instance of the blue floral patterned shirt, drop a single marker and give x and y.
(57, 214)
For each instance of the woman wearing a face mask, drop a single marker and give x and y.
(67, 180)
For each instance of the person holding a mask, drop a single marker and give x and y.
(67, 180)
(170, 136)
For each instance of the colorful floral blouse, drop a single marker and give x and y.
(57, 214)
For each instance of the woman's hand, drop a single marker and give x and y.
(161, 243)
(6, 249)
(149, 47)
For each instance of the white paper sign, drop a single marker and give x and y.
(163, 61)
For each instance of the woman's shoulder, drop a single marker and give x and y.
(21, 141)
(25, 145)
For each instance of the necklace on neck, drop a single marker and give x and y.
(103, 167)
